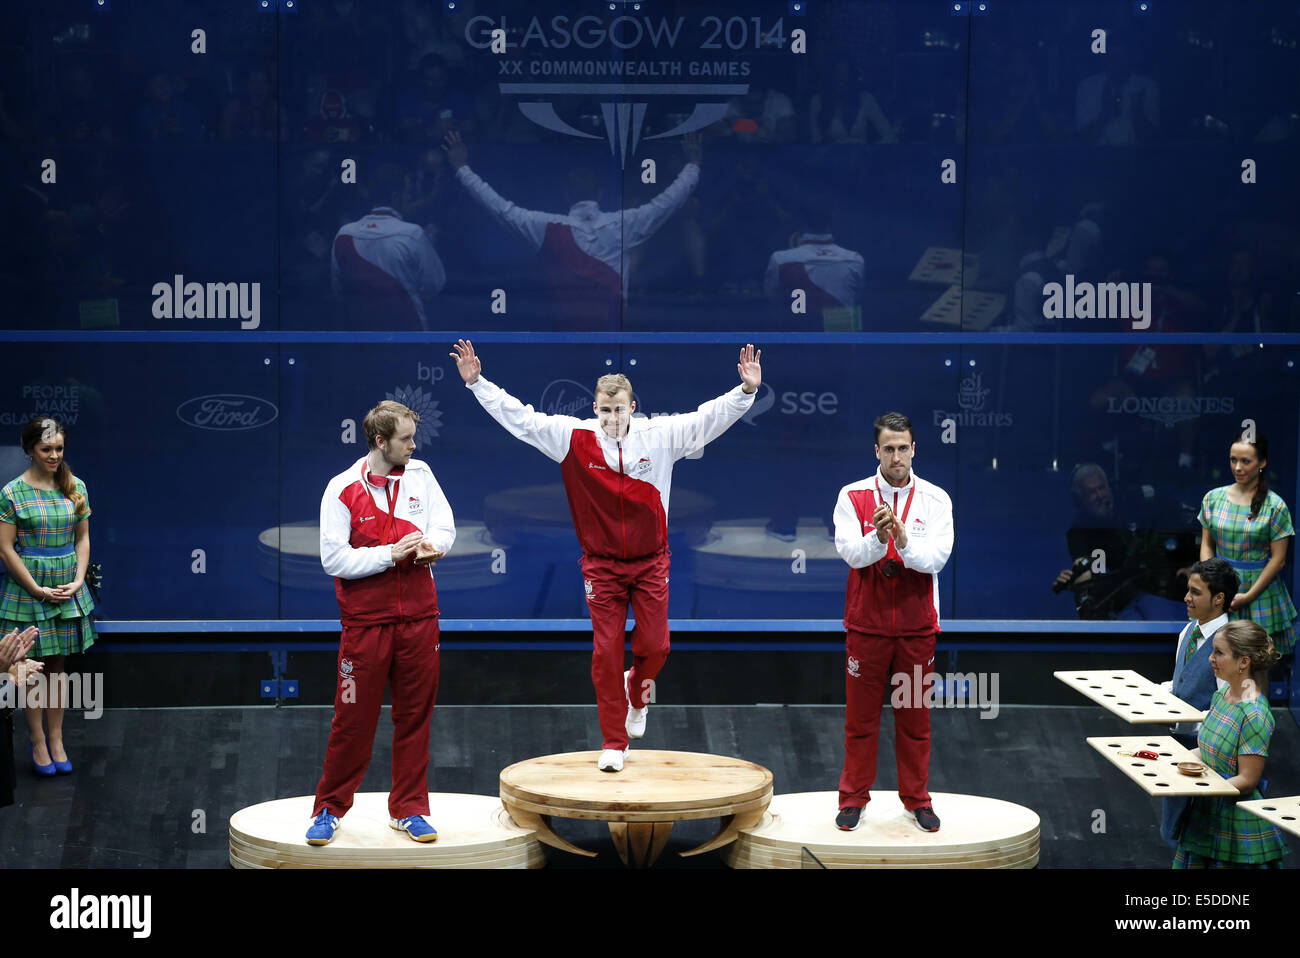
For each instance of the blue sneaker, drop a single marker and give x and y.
(416, 827)
(323, 828)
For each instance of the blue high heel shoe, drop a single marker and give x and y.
(63, 768)
(46, 770)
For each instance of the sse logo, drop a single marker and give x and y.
(227, 412)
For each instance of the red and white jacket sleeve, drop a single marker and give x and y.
(530, 224)
(549, 434)
(858, 550)
(641, 222)
(336, 553)
(440, 524)
(930, 553)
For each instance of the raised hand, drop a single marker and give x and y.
(457, 151)
(467, 364)
(750, 368)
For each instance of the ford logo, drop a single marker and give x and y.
(227, 412)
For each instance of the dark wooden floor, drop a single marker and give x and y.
(156, 787)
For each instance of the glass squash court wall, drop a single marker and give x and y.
(1061, 233)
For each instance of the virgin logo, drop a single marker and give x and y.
(564, 397)
(227, 412)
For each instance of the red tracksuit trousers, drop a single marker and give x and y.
(611, 584)
(873, 660)
(405, 654)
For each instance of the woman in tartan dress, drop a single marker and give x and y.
(1249, 525)
(1214, 832)
(45, 545)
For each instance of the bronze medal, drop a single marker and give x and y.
(889, 567)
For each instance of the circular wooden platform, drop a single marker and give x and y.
(474, 831)
(654, 789)
(976, 832)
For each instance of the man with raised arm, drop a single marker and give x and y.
(617, 474)
(584, 251)
(894, 530)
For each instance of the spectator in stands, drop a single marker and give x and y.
(252, 116)
(1118, 106)
(829, 275)
(333, 123)
(430, 109)
(1124, 565)
(383, 267)
(843, 111)
(761, 115)
(165, 117)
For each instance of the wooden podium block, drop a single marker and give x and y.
(1283, 812)
(1160, 777)
(474, 831)
(798, 831)
(1130, 696)
(640, 803)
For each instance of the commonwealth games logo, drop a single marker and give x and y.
(630, 66)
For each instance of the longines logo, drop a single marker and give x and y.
(590, 59)
(971, 396)
(425, 406)
(1170, 409)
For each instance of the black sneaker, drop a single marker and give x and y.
(926, 819)
(847, 819)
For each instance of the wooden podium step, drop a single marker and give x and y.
(798, 831)
(474, 831)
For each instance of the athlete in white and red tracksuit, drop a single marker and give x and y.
(830, 275)
(585, 250)
(617, 474)
(382, 523)
(385, 267)
(895, 531)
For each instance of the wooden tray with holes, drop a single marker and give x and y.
(1161, 776)
(1283, 812)
(1130, 696)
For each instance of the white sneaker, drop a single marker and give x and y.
(635, 717)
(611, 760)
(636, 722)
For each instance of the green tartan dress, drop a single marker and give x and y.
(1215, 833)
(45, 542)
(1246, 543)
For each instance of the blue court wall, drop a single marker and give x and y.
(972, 159)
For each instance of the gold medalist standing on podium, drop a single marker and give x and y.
(618, 473)
(383, 523)
(894, 530)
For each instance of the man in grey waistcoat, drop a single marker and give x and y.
(1210, 587)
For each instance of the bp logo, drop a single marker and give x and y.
(425, 406)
